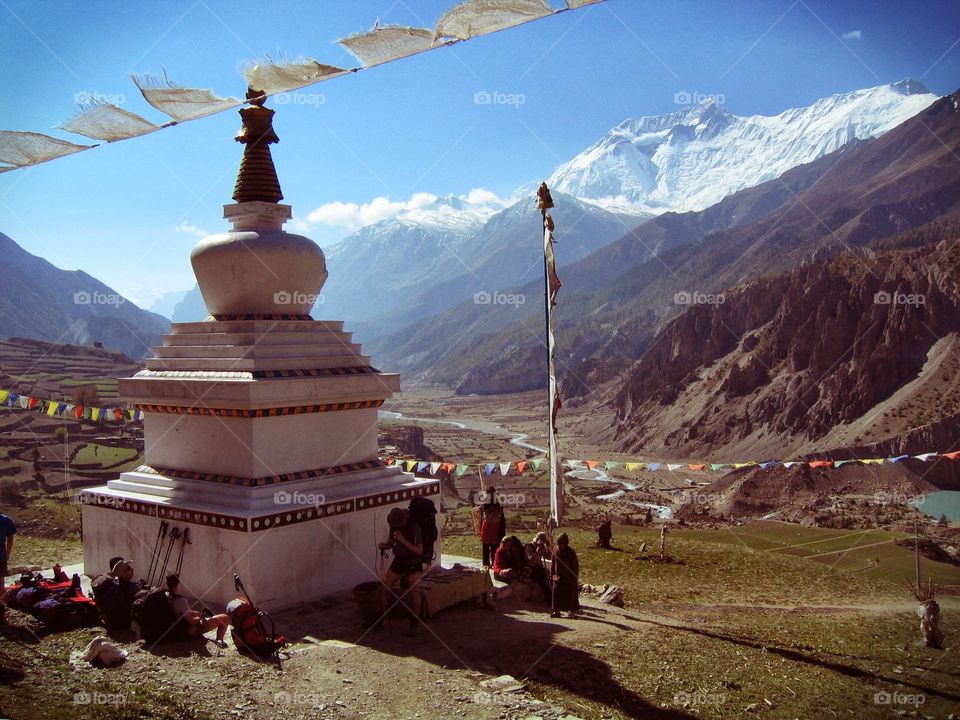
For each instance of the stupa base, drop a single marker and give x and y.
(316, 539)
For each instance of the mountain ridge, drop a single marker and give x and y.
(42, 302)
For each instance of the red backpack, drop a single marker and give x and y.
(249, 626)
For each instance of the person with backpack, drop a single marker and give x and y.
(197, 623)
(493, 528)
(122, 570)
(406, 569)
(114, 592)
(423, 512)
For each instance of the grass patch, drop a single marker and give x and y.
(870, 552)
(722, 567)
(104, 455)
(48, 517)
(45, 552)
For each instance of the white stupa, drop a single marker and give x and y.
(260, 425)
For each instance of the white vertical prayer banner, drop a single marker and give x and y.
(552, 286)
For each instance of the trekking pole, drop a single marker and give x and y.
(174, 536)
(184, 541)
(155, 555)
(238, 586)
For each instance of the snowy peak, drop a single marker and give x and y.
(909, 86)
(692, 158)
(441, 217)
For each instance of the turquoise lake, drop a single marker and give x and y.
(943, 502)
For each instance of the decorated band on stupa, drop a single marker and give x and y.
(260, 423)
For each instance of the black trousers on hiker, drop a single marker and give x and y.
(489, 551)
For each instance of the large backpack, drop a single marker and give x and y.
(424, 513)
(110, 601)
(60, 605)
(249, 629)
(154, 618)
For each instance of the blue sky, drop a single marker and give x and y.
(129, 213)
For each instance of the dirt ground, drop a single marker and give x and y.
(603, 663)
(335, 667)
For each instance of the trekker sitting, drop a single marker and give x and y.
(538, 556)
(122, 570)
(406, 569)
(197, 623)
(509, 561)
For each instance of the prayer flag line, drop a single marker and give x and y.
(74, 411)
(518, 467)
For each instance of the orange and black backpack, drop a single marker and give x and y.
(249, 625)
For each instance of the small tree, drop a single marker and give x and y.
(943, 522)
(38, 469)
(86, 395)
(60, 434)
(11, 493)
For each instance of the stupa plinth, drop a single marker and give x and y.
(260, 423)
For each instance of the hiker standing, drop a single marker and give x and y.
(605, 534)
(406, 569)
(7, 531)
(566, 578)
(494, 527)
(197, 624)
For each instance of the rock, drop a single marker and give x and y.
(503, 683)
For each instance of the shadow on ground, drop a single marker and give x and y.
(518, 639)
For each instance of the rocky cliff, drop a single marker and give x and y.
(844, 352)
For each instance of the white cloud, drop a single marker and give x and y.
(853, 35)
(190, 229)
(352, 216)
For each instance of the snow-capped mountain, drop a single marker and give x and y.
(690, 159)
(445, 255)
(425, 228)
